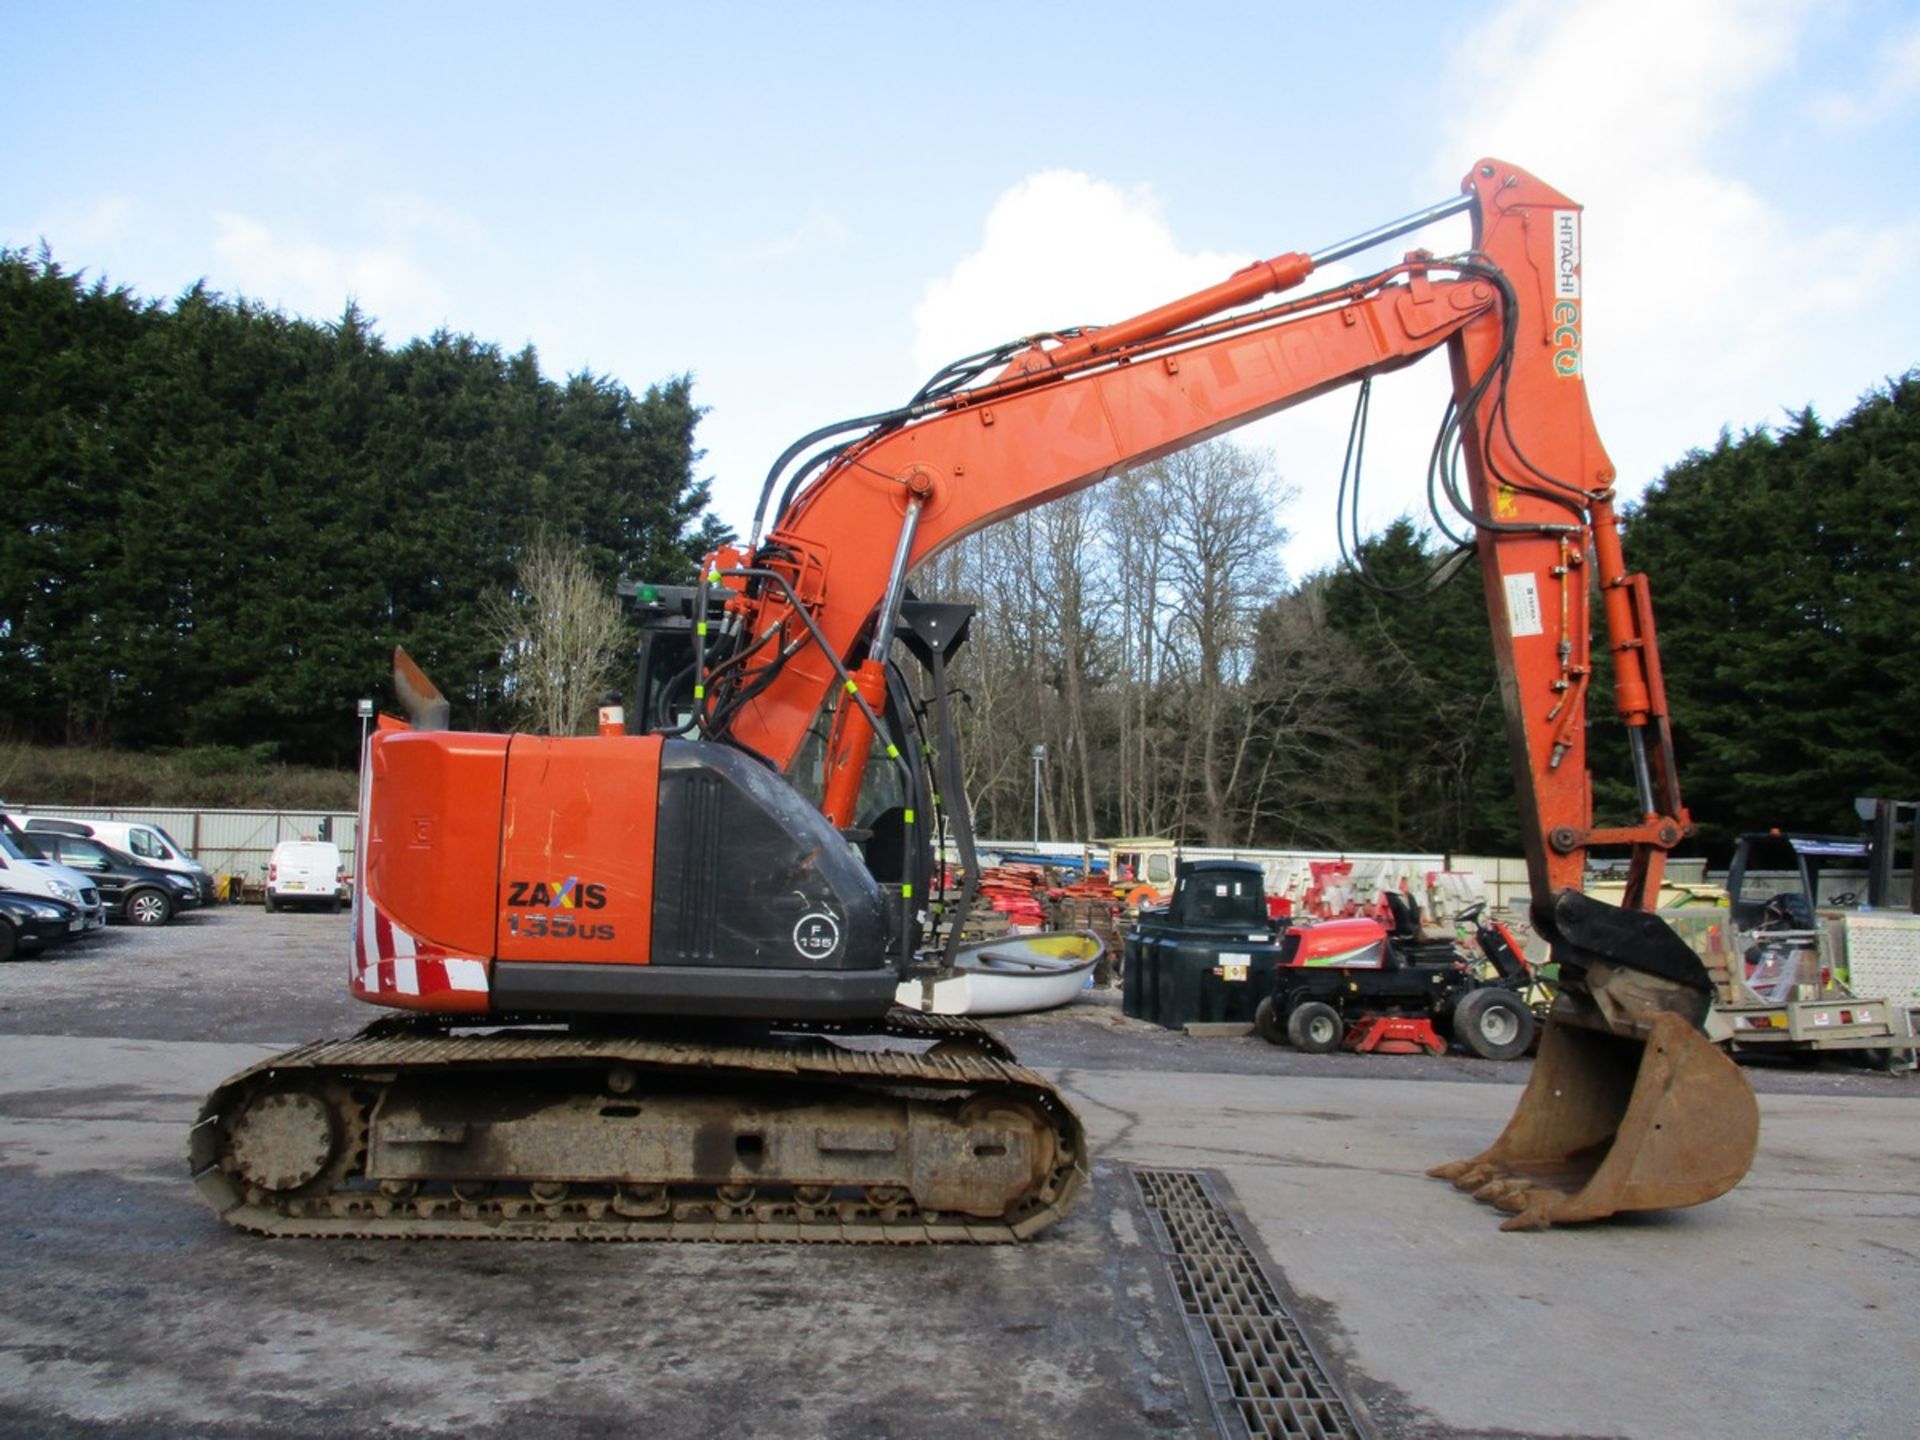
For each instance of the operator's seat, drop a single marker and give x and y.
(1409, 942)
(1406, 917)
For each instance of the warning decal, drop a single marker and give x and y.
(1523, 604)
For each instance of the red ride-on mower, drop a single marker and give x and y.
(1357, 982)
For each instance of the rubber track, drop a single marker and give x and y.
(978, 1064)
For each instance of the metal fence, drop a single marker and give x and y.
(227, 842)
(238, 842)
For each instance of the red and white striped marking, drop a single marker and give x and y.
(391, 966)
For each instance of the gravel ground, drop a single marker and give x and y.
(128, 1310)
(219, 973)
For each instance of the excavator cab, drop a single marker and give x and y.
(899, 810)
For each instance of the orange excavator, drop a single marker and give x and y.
(644, 982)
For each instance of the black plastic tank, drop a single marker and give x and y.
(1208, 957)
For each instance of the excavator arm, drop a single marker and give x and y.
(1064, 414)
(1629, 1106)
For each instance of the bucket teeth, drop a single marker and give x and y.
(1535, 1212)
(1473, 1176)
(1507, 1193)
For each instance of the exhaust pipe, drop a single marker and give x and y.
(426, 707)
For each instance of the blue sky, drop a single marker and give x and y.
(810, 206)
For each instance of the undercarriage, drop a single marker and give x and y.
(412, 1131)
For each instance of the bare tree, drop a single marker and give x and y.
(1222, 567)
(1117, 627)
(992, 674)
(1301, 724)
(561, 638)
(1068, 574)
(1132, 534)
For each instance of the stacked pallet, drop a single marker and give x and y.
(1018, 892)
(1091, 907)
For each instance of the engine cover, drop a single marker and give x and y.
(622, 875)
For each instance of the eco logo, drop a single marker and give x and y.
(1566, 293)
(568, 894)
(1566, 337)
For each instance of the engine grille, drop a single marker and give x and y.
(1259, 1364)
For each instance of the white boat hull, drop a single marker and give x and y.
(1015, 975)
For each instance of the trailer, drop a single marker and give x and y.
(1812, 968)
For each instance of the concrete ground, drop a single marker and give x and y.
(126, 1309)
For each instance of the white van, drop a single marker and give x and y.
(142, 839)
(306, 871)
(28, 875)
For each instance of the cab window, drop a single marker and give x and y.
(145, 844)
(1160, 869)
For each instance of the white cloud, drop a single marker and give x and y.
(1062, 248)
(308, 278)
(1721, 292)
(1593, 85)
(1059, 249)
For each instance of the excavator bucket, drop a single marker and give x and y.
(1630, 1106)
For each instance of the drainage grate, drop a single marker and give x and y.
(1238, 1324)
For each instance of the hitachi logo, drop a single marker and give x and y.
(1566, 254)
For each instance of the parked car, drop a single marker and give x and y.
(132, 891)
(30, 923)
(26, 870)
(306, 872)
(145, 841)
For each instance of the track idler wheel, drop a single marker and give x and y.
(283, 1140)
